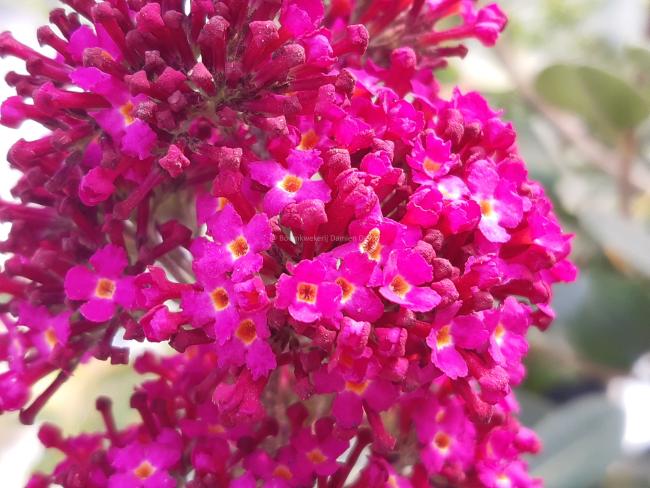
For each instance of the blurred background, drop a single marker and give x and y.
(574, 77)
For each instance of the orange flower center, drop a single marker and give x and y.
(442, 442)
(400, 286)
(443, 337)
(371, 245)
(346, 287)
(499, 333)
(308, 140)
(221, 203)
(105, 288)
(440, 415)
(50, 337)
(144, 470)
(127, 112)
(316, 456)
(246, 331)
(238, 247)
(282, 471)
(503, 481)
(291, 184)
(216, 429)
(487, 208)
(358, 388)
(307, 292)
(220, 299)
(430, 166)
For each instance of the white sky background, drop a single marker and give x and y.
(19, 446)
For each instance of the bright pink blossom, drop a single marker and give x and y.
(146, 465)
(451, 335)
(234, 247)
(293, 184)
(102, 288)
(306, 294)
(404, 274)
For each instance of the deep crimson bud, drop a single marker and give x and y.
(355, 41)
(174, 162)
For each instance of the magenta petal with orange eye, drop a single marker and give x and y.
(249, 346)
(404, 272)
(102, 288)
(306, 294)
(49, 330)
(431, 158)
(146, 463)
(358, 300)
(291, 184)
(214, 307)
(452, 334)
(235, 246)
(501, 207)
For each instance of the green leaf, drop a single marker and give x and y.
(611, 325)
(594, 201)
(533, 406)
(625, 241)
(639, 56)
(605, 101)
(448, 75)
(546, 374)
(638, 62)
(533, 150)
(580, 439)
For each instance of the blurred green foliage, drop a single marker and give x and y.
(579, 431)
(606, 102)
(574, 77)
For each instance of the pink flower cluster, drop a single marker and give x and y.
(344, 262)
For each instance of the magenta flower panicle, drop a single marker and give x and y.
(341, 259)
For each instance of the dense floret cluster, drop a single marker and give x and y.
(344, 262)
